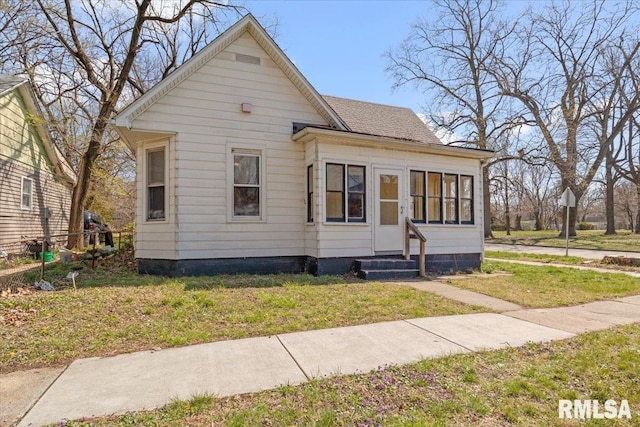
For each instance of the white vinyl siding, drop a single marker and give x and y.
(356, 239)
(204, 112)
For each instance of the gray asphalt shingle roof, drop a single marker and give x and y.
(382, 120)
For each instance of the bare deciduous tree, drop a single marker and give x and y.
(89, 57)
(448, 58)
(554, 68)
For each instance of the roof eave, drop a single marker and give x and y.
(60, 164)
(248, 23)
(359, 139)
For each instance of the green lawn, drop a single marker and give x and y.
(119, 311)
(625, 240)
(548, 286)
(515, 386)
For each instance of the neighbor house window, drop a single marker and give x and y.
(345, 193)
(450, 183)
(418, 196)
(311, 205)
(466, 199)
(246, 184)
(26, 193)
(156, 176)
(435, 197)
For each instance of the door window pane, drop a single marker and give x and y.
(388, 213)
(389, 187)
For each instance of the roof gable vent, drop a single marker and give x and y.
(248, 59)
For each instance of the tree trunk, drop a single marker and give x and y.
(486, 203)
(573, 215)
(80, 191)
(507, 210)
(539, 224)
(518, 224)
(609, 190)
(637, 229)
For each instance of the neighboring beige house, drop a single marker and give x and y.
(244, 167)
(35, 180)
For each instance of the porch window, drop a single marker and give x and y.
(418, 196)
(26, 193)
(156, 173)
(466, 199)
(311, 205)
(246, 185)
(435, 197)
(450, 198)
(345, 192)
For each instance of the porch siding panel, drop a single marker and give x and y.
(340, 240)
(205, 113)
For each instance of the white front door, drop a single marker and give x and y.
(388, 211)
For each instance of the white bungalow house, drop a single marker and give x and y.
(243, 167)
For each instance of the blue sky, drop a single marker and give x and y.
(339, 45)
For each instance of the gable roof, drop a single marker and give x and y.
(381, 120)
(61, 167)
(247, 24)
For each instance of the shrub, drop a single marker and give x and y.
(586, 226)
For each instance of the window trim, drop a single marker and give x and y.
(22, 194)
(456, 199)
(439, 198)
(251, 150)
(158, 146)
(310, 192)
(345, 219)
(424, 197)
(471, 199)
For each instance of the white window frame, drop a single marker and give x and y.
(249, 150)
(156, 147)
(22, 194)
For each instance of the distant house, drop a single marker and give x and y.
(35, 180)
(244, 167)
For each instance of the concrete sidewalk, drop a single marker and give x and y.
(149, 379)
(549, 250)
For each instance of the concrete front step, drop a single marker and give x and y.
(387, 274)
(385, 264)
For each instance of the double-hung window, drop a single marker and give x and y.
(466, 199)
(450, 184)
(435, 197)
(418, 196)
(345, 193)
(311, 204)
(156, 176)
(26, 193)
(246, 184)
